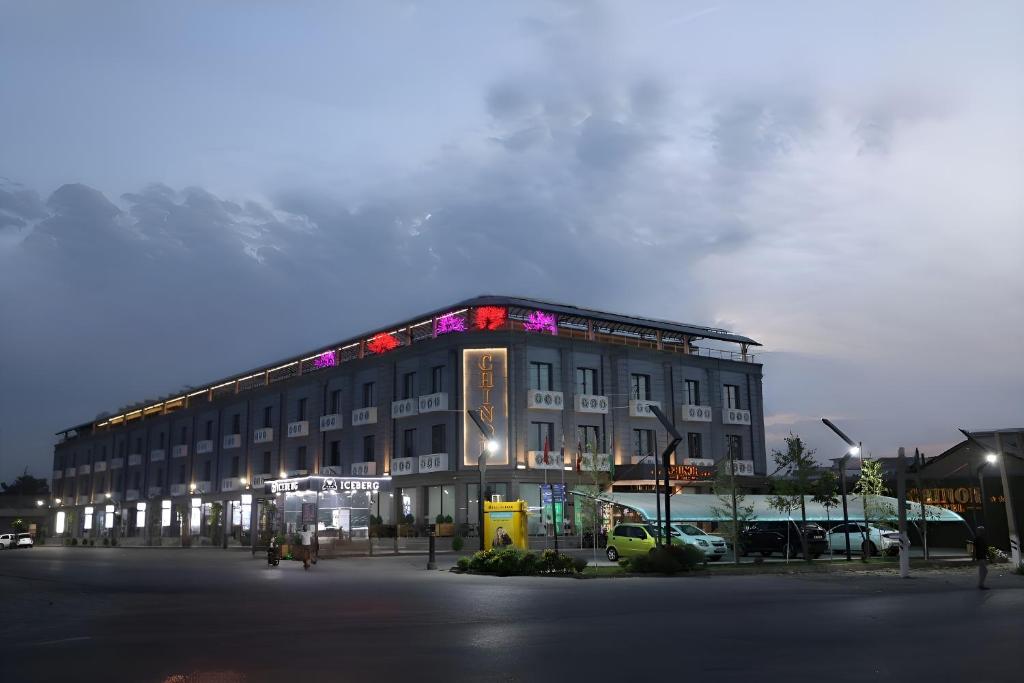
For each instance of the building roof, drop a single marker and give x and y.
(570, 317)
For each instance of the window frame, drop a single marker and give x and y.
(638, 380)
(541, 374)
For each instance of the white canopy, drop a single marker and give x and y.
(700, 507)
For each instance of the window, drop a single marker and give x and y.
(540, 376)
(438, 439)
(691, 393)
(184, 436)
(734, 446)
(586, 381)
(731, 396)
(589, 438)
(539, 431)
(236, 424)
(409, 385)
(369, 399)
(300, 458)
(369, 448)
(437, 379)
(409, 443)
(335, 454)
(641, 387)
(268, 413)
(209, 429)
(266, 462)
(643, 442)
(302, 410)
(694, 447)
(206, 471)
(234, 466)
(336, 401)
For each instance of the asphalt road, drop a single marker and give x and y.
(80, 614)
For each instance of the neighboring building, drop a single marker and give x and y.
(393, 403)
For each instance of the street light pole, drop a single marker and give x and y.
(490, 447)
(855, 449)
(1011, 520)
(846, 514)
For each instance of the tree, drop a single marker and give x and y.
(26, 485)
(730, 511)
(19, 526)
(600, 481)
(870, 487)
(796, 470)
(826, 494)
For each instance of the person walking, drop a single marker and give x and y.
(306, 538)
(981, 555)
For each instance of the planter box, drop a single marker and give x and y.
(446, 529)
(406, 530)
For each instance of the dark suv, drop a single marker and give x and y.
(771, 537)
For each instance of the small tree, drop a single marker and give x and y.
(730, 510)
(826, 494)
(870, 487)
(19, 526)
(26, 485)
(796, 469)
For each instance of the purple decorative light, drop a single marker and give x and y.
(539, 321)
(326, 359)
(450, 322)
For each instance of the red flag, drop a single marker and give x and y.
(579, 456)
(547, 448)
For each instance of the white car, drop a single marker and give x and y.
(6, 541)
(713, 547)
(882, 540)
(25, 541)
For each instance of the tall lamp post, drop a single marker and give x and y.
(855, 450)
(1011, 521)
(491, 446)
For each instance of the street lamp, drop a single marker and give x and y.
(39, 503)
(1000, 456)
(853, 452)
(491, 446)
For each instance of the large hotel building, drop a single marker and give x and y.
(378, 426)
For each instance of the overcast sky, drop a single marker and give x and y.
(190, 189)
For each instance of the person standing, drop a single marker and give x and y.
(981, 555)
(306, 538)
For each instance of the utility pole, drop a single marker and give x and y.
(918, 464)
(901, 501)
(735, 513)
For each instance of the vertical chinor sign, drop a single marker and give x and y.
(485, 388)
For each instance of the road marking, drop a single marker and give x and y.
(61, 640)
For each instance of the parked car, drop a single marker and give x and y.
(25, 541)
(773, 537)
(630, 540)
(880, 539)
(6, 541)
(713, 547)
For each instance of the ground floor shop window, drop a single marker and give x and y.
(531, 494)
(440, 501)
(408, 506)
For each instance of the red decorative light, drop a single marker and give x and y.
(490, 317)
(382, 343)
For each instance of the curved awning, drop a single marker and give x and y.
(700, 507)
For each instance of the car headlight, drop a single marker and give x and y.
(701, 541)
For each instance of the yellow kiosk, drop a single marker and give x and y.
(505, 525)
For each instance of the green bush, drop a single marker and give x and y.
(457, 544)
(67, 541)
(113, 541)
(106, 541)
(667, 560)
(447, 519)
(513, 562)
(74, 541)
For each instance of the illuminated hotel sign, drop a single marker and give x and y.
(485, 387)
(328, 484)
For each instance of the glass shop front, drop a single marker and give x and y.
(339, 508)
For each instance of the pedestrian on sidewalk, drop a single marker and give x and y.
(306, 538)
(981, 555)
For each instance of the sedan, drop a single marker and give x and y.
(879, 539)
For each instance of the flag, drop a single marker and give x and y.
(561, 453)
(547, 449)
(579, 456)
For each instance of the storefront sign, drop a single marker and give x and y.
(435, 462)
(696, 413)
(591, 403)
(485, 388)
(282, 486)
(327, 484)
(328, 423)
(958, 499)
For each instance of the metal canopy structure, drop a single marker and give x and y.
(699, 507)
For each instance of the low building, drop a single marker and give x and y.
(562, 391)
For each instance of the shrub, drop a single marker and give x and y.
(667, 560)
(579, 564)
(447, 519)
(463, 564)
(457, 543)
(514, 562)
(997, 556)
(113, 541)
(106, 541)
(74, 541)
